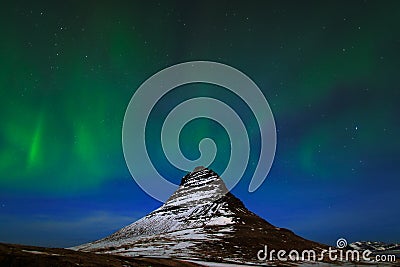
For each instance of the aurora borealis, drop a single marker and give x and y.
(329, 71)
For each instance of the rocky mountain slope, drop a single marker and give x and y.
(201, 220)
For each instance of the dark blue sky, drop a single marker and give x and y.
(328, 70)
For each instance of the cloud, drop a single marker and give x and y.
(46, 230)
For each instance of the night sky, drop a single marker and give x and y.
(329, 70)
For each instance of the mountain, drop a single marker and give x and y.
(376, 247)
(201, 220)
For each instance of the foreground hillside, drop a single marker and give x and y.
(21, 255)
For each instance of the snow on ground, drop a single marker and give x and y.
(170, 244)
(40, 252)
(218, 264)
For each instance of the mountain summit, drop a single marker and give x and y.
(201, 220)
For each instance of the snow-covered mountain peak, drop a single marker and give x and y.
(200, 176)
(200, 220)
(200, 186)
